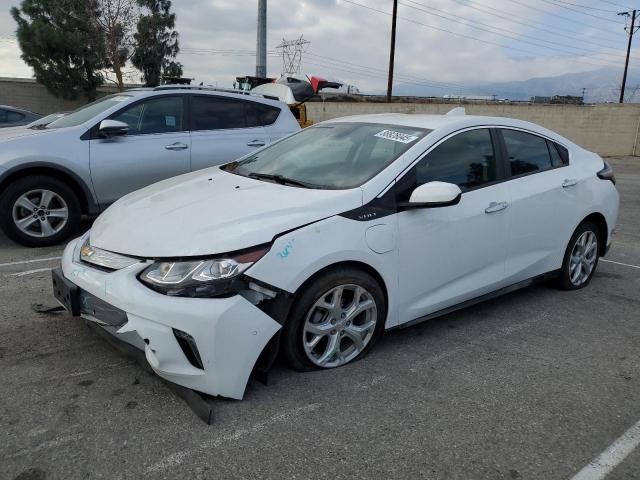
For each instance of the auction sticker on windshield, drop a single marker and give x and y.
(396, 136)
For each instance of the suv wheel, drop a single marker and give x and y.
(39, 211)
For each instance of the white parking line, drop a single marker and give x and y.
(177, 458)
(29, 272)
(35, 260)
(620, 263)
(604, 464)
(56, 442)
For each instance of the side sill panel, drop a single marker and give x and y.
(482, 298)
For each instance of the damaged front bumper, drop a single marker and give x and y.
(206, 344)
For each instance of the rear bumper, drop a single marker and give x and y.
(230, 333)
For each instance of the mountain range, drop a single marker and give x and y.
(601, 86)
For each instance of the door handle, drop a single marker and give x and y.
(176, 146)
(496, 207)
(569, 182)
(256, 143)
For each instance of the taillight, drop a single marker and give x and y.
(607, 173)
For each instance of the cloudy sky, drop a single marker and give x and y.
(441, 42)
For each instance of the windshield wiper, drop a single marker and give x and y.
(281, 180)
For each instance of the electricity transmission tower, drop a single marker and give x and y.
(291, 51)
(630, 30)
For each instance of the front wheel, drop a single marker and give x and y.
(39, 211)
(334, 321)
(581, 257)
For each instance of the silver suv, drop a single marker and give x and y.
(79, 164)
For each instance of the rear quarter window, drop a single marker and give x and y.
(563, 152)
(260, 115)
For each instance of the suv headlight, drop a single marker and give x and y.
(201, 278)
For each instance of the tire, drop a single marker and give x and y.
(587, 234)
(56, 222)
(309, 320)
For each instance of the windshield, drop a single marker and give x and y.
(334, 155)
(89, 111)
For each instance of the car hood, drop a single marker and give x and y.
(210, 212)
(10, 133)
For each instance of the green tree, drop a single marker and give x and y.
(62, 42)
(172, 69)
(156, 42)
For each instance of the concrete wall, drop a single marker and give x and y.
(28, 94)
(608, 129)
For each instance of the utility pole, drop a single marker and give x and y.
(631, 30)
(393, 50)
(261, 46)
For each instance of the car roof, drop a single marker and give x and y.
(451, 122)
(202, 90)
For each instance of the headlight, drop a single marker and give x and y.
(103, 258)
(201, 278)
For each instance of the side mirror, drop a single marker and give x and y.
(112, 128)
(434, 194)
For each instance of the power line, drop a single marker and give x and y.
(381, 70)
(579, 11)
(291, 51)
(381, 73)
(381, 76)
(491, 30)
(528, 23)
(588, 7)
(566, 19)
(617, 4)
(489, 42)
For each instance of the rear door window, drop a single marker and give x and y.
(527, 153)
(217, 113)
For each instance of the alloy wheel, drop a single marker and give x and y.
(40, 213)
(583, 258)
(339, 325)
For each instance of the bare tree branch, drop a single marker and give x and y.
(118, 20)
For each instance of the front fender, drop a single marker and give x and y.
(298, 255)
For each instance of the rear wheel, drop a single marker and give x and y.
(39, 211)
(334, 321)
(581, 257)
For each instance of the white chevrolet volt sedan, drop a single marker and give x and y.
(313, 246)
